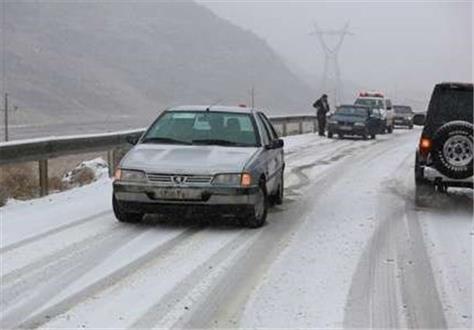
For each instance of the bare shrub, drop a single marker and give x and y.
(3, 196)
(18, 181)
(85, 176)
(78, 177)
(56, 184)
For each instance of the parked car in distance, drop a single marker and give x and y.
(403, 116)
(444, 157)
(354, 120)
(377, 100)
(209, 159)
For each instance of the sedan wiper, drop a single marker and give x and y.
(163, 140)
(219, 142)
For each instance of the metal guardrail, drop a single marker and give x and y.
(43, 149)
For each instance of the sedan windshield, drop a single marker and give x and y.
(352, 111)
(203, 128)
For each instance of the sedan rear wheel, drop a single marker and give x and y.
(365, 135)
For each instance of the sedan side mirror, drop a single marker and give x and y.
(132, 139)
(276, 144)
(419, 119)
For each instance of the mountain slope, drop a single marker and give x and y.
(96, 60)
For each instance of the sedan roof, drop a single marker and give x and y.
(353, 106)
(220, 108)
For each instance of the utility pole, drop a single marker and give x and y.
(6, 116)
(331, 80)
(252, 100)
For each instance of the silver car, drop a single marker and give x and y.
(201, 159)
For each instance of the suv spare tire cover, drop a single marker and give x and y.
(453, 150)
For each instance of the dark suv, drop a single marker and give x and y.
(444, 157)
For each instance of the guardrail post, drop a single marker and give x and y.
(284, 133)
(111, 162)
(43, 177)
(300, 126)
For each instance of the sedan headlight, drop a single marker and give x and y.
(359, 124)
(130, 175)
(233, 179)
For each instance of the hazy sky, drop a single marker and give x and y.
(400, 47)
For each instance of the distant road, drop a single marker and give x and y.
(28, 131)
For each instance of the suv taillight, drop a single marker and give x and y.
(425, 146)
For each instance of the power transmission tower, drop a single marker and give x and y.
(331, 80)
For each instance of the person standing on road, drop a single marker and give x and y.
(322, 108)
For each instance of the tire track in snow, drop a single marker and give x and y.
(44, 284)
(169, 301)
(158, 252)
(53, 263)
(56, 255)
(53, 231)
(223, 305)
(393, 285)
(304, 151)
(327, 159)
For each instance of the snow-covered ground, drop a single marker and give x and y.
(347, 249)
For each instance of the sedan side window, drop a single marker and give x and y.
(271, 131)
(263, 130)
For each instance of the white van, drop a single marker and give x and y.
(376, 100)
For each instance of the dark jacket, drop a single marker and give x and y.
(322, 107)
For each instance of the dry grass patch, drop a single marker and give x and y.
(18, 181)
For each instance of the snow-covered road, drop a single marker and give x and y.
(348, 248)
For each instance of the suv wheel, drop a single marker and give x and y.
(124, 216)
(424, 189)
(453, 150)
(258, 213)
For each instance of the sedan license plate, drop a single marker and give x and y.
(346, 128)
(177, 194)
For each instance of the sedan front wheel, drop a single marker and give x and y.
(124, 216)
(258, 212)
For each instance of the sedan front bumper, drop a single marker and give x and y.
(349, 130)
(150, 198)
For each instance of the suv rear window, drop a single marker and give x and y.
(402, 109)
(449, 103)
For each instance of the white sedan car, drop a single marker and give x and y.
(224, 160)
